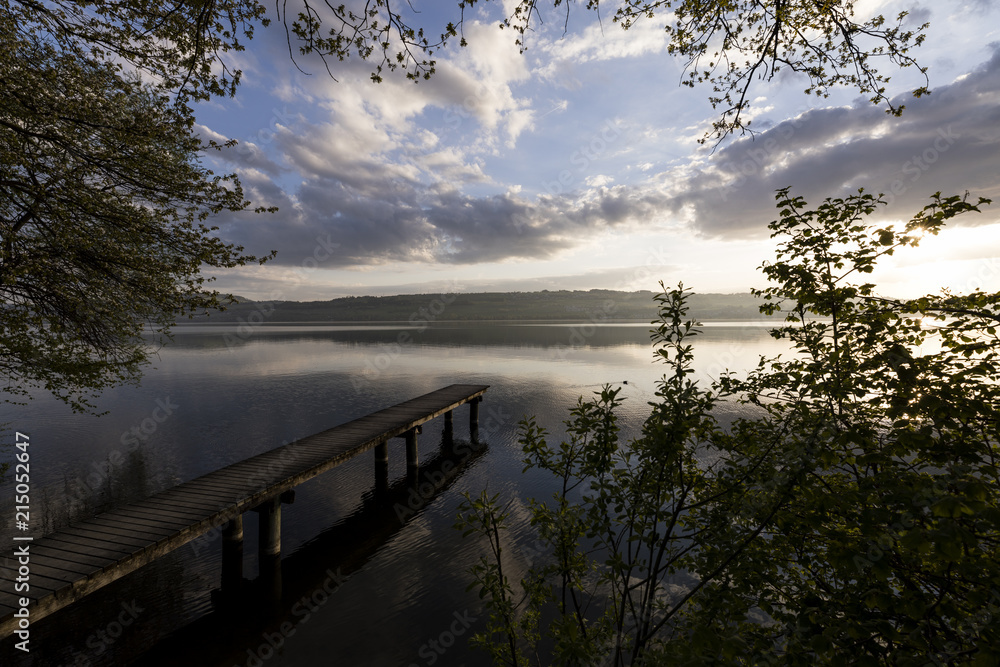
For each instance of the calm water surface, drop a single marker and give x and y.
(365, 581)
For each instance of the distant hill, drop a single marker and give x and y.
(593, 305)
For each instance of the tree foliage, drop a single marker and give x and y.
(725, 45)
(103, 197)
(852, 517)
(179, 46)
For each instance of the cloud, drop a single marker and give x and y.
(603, 41)
(367, 179)
(361, 221)
(244, 155)
(948, 142)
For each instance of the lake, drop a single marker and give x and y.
(364, 583)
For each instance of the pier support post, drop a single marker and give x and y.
(382, 467)
(232, 555)
(412, 462)
(449, 427)
(269, 548)
(474, 418)
(270, 528)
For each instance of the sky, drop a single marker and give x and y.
(576, 165)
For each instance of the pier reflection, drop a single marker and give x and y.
(288, 590)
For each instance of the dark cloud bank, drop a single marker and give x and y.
(364, 211)
(945, 142)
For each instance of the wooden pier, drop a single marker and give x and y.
(71, 563)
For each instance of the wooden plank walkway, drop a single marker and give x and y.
(71, 563)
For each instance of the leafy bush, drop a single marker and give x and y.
(851, 519)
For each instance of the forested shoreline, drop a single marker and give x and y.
(593, 305)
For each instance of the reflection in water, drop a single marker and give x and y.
(310, 577)
(231, 400)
